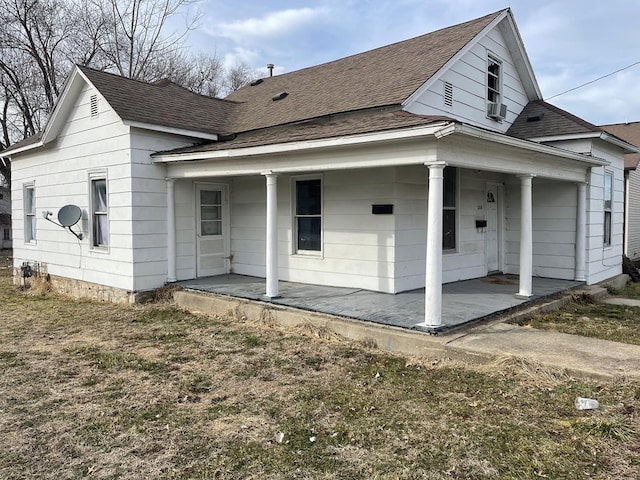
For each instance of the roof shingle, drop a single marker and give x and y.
(161, 103)
(551, 121)
(379, 77)
(330, 126)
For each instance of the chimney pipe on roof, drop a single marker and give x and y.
(270, 68)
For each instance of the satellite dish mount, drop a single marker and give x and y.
(68, 216)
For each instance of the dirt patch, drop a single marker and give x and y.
(95, 390)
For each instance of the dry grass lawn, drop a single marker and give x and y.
(98, 391)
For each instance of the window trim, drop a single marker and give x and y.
(93, 177)
(607, 219)
(31, 234)
(492, 57)
(455, 209)
(294, 216)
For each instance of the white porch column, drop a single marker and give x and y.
(433, 270)
(272, 235)
(581, 230)
(526, 237)
(171, 230)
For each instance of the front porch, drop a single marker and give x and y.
(462, 302)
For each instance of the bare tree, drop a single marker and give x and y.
(137, 35)
(238, 76)
(41, 40)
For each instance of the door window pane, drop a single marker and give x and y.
(210, 197)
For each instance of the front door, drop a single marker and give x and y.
(494, 227)
(212, 231)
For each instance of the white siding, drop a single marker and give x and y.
(148, 201)
(358, 247)
(633, 216)
(469, 79)
(361, 250)
(554, 227)
(137, 255)
(603, 262)
(60, 173)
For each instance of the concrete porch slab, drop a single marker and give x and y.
(463, 302)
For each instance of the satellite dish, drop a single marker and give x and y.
(69, 215)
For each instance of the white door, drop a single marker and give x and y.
(212, 242)
(494, 227)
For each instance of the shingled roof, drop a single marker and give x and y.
(629, 132)
(382, 77)
(162, 103)
(541, 119)
(330, 126)
(379, 77)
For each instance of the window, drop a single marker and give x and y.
(210, 212)
(99, 213)
(449, 193)
(29, 194)
(494, 79)
(6, 236)
(608, 200)
(308, 215)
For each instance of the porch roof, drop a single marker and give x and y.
(462, 302)
(390, 117)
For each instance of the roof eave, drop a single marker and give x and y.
(352, 140)
(468, 130)
(172, 130)
(9, 152)
(626, 146)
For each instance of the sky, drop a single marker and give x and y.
(569, 42)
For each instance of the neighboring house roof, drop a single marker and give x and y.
(161, 103)
(540, 119)
(379, 77)
(631, 133)
(330, 126)
(542, 122)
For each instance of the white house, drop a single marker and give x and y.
(630, 132)
(426, 161)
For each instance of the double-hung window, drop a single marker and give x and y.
(99, 213)
(308, 215)
(29, 193)
(494, 79)
(449, 208)
(608, 200)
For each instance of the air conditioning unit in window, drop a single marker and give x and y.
(497, 111)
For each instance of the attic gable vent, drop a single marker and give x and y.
(535, 118)
(279, 96)
(94, 106)
(448, 94)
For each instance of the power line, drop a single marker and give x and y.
(594, 81)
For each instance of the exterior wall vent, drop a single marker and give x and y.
(279, 96)
(448, 94)
(497, 111)
(94, 106)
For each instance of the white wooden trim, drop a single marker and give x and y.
(171, 130)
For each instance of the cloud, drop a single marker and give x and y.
(275, 24)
